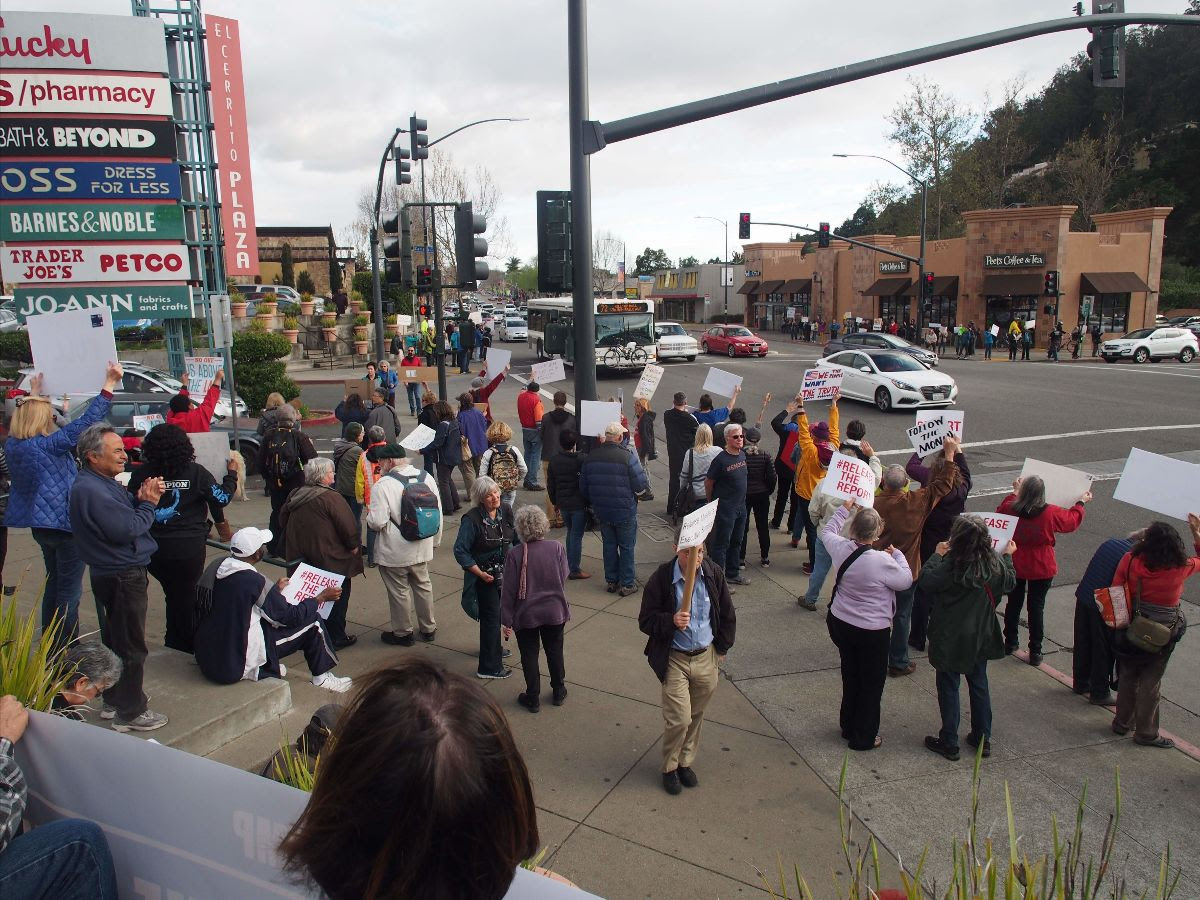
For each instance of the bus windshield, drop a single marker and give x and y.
(617, 329)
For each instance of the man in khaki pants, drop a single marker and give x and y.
(403, 564)
(684, 649)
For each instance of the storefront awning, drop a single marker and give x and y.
(1013, 285)
(887, 287)
(749, 287)
(1111, 283)
(769, 287)
(797, 286)
(943, 286)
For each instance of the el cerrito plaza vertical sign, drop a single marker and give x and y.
(233, 145)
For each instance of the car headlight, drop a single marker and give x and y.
(903, 385)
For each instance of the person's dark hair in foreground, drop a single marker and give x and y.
(422, 794)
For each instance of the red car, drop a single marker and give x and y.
(733, 340)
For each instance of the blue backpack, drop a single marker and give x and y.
(419, 514)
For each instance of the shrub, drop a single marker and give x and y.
(257, 367)
(287, 268)
(14, 346)
(361, 320)
(153, 333)
(30, 669)
(358, 297)
(304, 283)
(361, 283)
(291, 323)
(254, 346)
(329, 321)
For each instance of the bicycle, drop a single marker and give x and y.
(629, 355)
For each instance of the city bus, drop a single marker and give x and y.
(619, 324)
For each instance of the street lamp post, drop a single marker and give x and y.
(924, 210)
(724, 265)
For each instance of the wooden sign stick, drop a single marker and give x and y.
(689, 579)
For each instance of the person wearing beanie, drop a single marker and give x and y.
(530, 412)
(814, 448)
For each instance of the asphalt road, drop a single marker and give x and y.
(1084, 414)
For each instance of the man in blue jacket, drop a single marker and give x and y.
(112, 535)
(610, 480)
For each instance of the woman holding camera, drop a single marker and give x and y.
(484, 536)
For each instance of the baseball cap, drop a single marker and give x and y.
(247, 541)
(614, 428)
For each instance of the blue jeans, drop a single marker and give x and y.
(532, 438)
(821, 568)
(64, 582)
(576, 521)
(67, 859)
(619, 540)
(725, 542)
(898, 650)
(413, 389)
(981, 704)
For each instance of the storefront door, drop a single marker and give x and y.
(943, 310)
(1002, 310)
(894, 308)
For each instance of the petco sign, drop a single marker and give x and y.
(64, 263)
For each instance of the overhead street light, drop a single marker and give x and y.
(725, 280)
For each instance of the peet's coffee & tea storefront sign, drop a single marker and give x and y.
(1013, 260)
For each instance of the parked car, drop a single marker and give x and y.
(674, 342)
(733, 340)
(9, 321)
(511, 328)
(1183, 321)
(891, 379)
(875, 340)
(1152, 344)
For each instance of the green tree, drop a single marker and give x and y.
(651, 261)
(287, 268)
(512, 267)
(737, 259)
(335, 274)
(688, 262)
(304, 283)
(862, 222)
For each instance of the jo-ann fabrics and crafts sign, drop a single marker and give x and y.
(142, 301)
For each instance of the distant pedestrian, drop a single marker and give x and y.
(710, 416)
(388, 381)
(814, 448)
(1026, 343)
(553, 424)
(760, 485)
(610, 480)
(680, 426)
(562, 487)
(695, 469)
(281, 459)
(340, 301)
(530, 412)
(347, 454)
(412, 389)
(445, 453)
(349, 410)
(784, 426)
(1097, 334)
(726, 483)
(382, 414)
(1014, 338)
(466, 347)
(198, 419)
(643, 437)
(988, 340)
(503, 462)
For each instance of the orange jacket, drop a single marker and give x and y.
(810, 470)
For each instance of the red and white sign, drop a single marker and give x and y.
(1001, 529)
(308, 581)
(233, 146)
(81, 92)
(821, 383)
(68, 263)
(39, 40)
(849, 478)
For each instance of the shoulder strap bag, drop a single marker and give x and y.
(1143, 633)
(843, 567)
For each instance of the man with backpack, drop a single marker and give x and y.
(285, 450)
(406, 517)
(383, 414)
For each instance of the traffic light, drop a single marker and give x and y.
(418, 137)
(743, 226)
(1052, 283)
(392, 249)
(468, 248)
(406, 251)
(555, 261)
(823, 235)
(1106, 49)
(424, 278)
(423, 309)
(403, 166)
(927, 285)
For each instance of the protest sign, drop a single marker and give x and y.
(697, 524)
(418, 438)
(498, 359)
(849, 478)
(721, 382)
(403, 322)
(72, 349)
(358, 386)
(549, 371)
(416, 374)
(803, 319)
(1031, 325)
(995, 330)
(927, 437)
(308, 581)
(821, 383)
(1000, 529)
(212, 451)
(201, 371)
(475, 316)
(877, 325)
(594, 415)
(145, 423)
(226, 844)
(791, 312)
(1170, 487)
(1064, 486)
(951, 418)
(648, 383)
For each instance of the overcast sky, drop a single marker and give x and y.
(327, 82)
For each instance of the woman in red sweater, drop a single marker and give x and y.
(1038, 522)
(1153, 571)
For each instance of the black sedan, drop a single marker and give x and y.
(875, 340)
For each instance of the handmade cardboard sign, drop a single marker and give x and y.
(498, 359)
(202, 370)
(995, 330)
(1000, 529)
(927, 437)
(1031, 324)
(308, 581)
(849, 478)
(549, 371)
(721, 382)
(697, 524)
(1064, 486)
(951, 418)
(357, 386)
(877, 325)
(416, 373)
(418, 438)
(594, 416)
(72, 349)
(648, 383)
(212, 451)
(821, 383)
(145, 423)
(475, 316)
(1160, 484)
(403, 321)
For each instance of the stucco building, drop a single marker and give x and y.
(313, 250)
(697, 293)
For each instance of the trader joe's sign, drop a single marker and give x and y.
(150, 301)
(65, 263)
(91, 222)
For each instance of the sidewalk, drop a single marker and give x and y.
(770, 756)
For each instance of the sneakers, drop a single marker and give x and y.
(671, 783)
(1035, 659)
(765, 563)
(901, 671)
(940, 747)
(108, 712)
(534, 487)
(804, 603)
(578, 576)
(147, 721)
(806, 568)
(428, 636)
(282, 671)
(627, 589)
(343, 642)
(531, 703)
(397, 640)
(560, 695)
(741, 565)
(739, 579)
(611, 587)
(332, 682)
(987, 745)
(503, 673)
(687, 777)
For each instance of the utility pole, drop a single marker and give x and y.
(584, 305)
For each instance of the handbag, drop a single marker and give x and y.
(685, 500)
(466, 447)
(1146, 634)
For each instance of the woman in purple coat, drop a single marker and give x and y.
(533, 602)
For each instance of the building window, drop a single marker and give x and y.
(893, 308)
(801, 303)
(943, 310)
(689, 279)
(1002, 310)
(673, 280)
(1112, 310)
(660, 280)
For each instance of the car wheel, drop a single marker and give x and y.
(1186, 355)
(704, 347)
(691, 359)
(883, 399)
(730, 351)
(1110, 359)
(1141, 355)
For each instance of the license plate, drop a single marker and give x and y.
(939, 396)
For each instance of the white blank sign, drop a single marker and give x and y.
(594, 416)
(497, 360)
(1064, 486)
(72, 349)
(1170, 487)
(721, 382)
(212, 451)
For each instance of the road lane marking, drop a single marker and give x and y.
(1109, 368)
(907, 451)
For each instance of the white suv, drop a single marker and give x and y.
(1152, 344)
(673, 341)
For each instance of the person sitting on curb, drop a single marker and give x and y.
(195, 421)
(249, 626)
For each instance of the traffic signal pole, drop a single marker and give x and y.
(584, 306)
